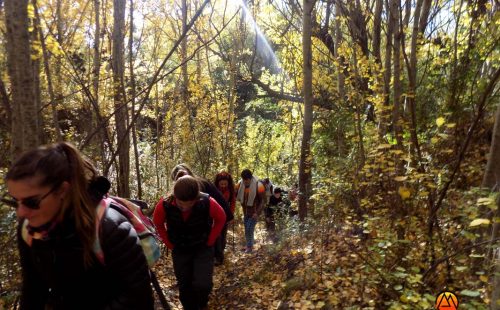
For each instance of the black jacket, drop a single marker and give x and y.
(193, 232)
(54, 274)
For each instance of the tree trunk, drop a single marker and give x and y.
(491, 178)
(384, 114)
(185, 77)
(25, 126)
(36, 57)
(396, 111)
(132, 99)
(412, 79)
(121, 116)
(305, 148)
(96, 69)
(340, 58)
(377, 21)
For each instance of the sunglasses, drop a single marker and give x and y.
(32, 203)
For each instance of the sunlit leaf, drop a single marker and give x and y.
(400, 178)
(440, 121)
(404, 192)
(478, 222)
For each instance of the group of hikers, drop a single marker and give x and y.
(75, 257)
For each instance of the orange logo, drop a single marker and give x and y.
(446, 301)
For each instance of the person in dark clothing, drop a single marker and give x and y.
(209, 188)
(55, 195)
(225, 184)
(189, 222)
(275, 201)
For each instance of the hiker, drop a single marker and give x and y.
(189, 222)
(269, 189)
(224, 183)
(207, 187)
(55, 192)
(251, 195)
(272, 210)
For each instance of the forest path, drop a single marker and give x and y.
(292, 274)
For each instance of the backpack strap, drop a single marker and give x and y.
(100, 210)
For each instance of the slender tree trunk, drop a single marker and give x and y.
(133, 95)
(25, 126)
(96, 69)
(185, 77)
(396, 111)
(121, 115)
(412, 78)
(35, 57)
(340, 58)
(384, 114)
(53, 103)
(377, 21)
(58, 84)
(305, 149)
(424, 16)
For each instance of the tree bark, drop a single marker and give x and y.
(377, 21)
(412, 79)
(340, 58)
(25, 126)
(305, 149)
(396, 110)
(491, 178)
(121, 115)
(132, 99)
(96, 69)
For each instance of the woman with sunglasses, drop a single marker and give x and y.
(55, 192)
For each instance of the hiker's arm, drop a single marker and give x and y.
(125, 260)
(219, 217)
(160, 224)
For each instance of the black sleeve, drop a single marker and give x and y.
(125, 259)
(33, 291)
(216, 194)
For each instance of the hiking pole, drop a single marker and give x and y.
(234, 232)
(159, 291)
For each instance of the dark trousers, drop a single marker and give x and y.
(193, 270)
(220, 244)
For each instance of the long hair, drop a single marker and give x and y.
(54, 164)
(184, 168)
(223, 175)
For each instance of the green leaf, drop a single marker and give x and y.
(470, 293)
